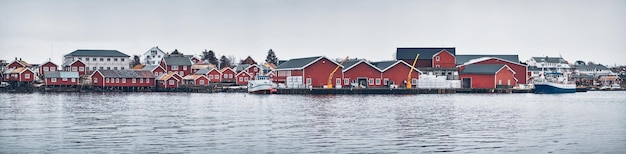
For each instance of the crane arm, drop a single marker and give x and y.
(330, 77)
(408, 81)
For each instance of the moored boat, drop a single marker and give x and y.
(261, 85)
(554, 83)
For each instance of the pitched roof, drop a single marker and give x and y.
(167, 76)
(60, 74)
(203, 71)
(8, 71)
(150, 67)
(49, 62)
(180, 61)
(68, 63)
(353, 63)
(23, 63)
(482, 68)
(155, 49)
(226, 68)
(193, 77)
(126, 73)
(425, 53)
(591, 67)
(138, 66)
(97, 53)
(549, 59)
(462, 59)
(298, 63)
(382, 65)
(248, 60)
(201, 66)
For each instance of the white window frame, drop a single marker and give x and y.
(171, 82)
(81, 69)
(309, 81)
(201, 81)
(346, 81)
(147, 80)
(124, 80)
(230, 76)
(134, 80)
(46, 69)
(108, 80)
(52, 69)
(141, 80)
(64, 79)
(95, 80)
(27, 76)
(378, 81)
(337, 81)
(437, 58)
(386, 81)
(73, 79)
(184, 68)
(53, 79)
(74, 68)
(241, 79)
(210, 76)
(174, 67)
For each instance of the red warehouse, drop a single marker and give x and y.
(517, 67)
(312, 71)
(61, 78)
(488, 76)
(20, 74)
(360, 72)
(122, 78)
(242, 78)
(177, 64)
(48, 67)
(228, 75)
(196, 79)
(75, 66)
(169, 80)
(396, 72)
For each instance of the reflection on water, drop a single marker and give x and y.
(241, 123)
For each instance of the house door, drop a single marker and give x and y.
(362, 82)
(467, 83)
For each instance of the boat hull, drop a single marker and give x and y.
(261, 87)
(554, 88)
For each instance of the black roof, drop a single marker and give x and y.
(382, 65)
(549, 59)
(462, 59)
(591, 67)
(348, 63)
(425, 53)
(97, 53)
(482, 68)
(297, 63)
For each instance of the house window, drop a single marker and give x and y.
(256, 69)
(114, 59)
(117, 80)
(437, 66)
(87, 59)
(499, 82)
(210, 76)
(134, 80)
(147, 80)
(95, 80)
(436, 58)
(337, 81)
(80, 58)
(377, 81)
(174, 67)
(107, 80)
(74, 69)
(108, 68)
(508, 82)
(181, 73)
(308, 81)
(245, 79)
(64, 79)
(346, 81)
(122, 68)
(108, 59)
(55, 80)
(53, 69)
(101, 59)
(114, 68)
(124, 80)
(386, 81)
(94, 68)
(240, 78)
(45, 69)
(74, 79)
(81, 69)
(230, 76)
(102, 68)
(184, 68)
(201, 81)
(141, 80)
(171, 82)
(122, 59)
(27, 76)
(93, 59)
(217, 76)
(370, 81)
(414, 81)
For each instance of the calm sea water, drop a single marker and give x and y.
(592, 122)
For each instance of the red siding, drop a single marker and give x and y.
(242, 78)
(362, 70)
(182, 70)
(518, 68)
(226, 75)
(420, 62)
(480, 80)
(25, 76)
(206, 81)
(446, 60)
(318, 72)
(251, 70)
(15, 64)
(158, 71)
(79, 65)
(49, 65)
(399, 73)
(99, 81)
(505, 76)
(167, 84)
(59, 81)
(214, 76)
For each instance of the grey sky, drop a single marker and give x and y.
(577, 30)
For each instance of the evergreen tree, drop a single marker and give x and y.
(211, 57)
(271, 57)
(135, 61)
(225, 62)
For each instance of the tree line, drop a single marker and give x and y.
(209, 57)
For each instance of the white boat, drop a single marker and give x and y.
(614, 86)
(261, 85)
(554, 83)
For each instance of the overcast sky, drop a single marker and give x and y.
(577, 30)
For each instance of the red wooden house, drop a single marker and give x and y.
(488, 76)
(20, 74)
(272, 76)
(313, 71)
(242, 78)
(17, 63)
(360, 72)
(428, 57)
(396, 72)
(254, 70)
(522, 77)
(122, 78)
(169, 80)
(48, 67)
(61, 78)
(75, 66)
(214, 75)
(196, 79)
(228, 75)
(177, 64)
(156, 70)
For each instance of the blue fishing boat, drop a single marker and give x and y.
(554, 83)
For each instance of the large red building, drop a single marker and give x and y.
(314, 71)
(488, 76)
(397, 72)
(360, 72)
(180, 65)
(520, 69)
(61, 78)
(122, 78)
